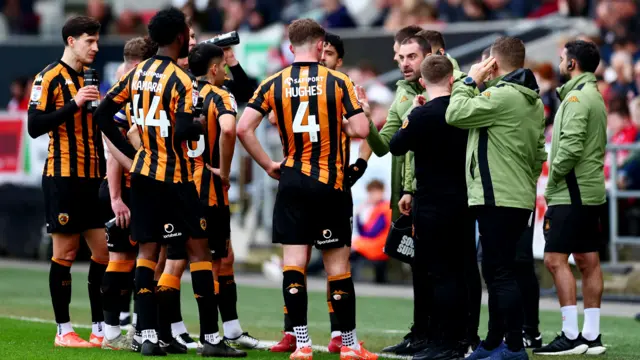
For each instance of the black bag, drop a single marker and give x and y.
(399, 243)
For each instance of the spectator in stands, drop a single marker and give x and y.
(336, 15)
(19, 96)
(373, 221)
(629, 175)
(475, 10)
(101, 11)
(628, 44)
(21, 18)
(422, 13)
(621, 130)
(130, 23)
(636, 74)
(280, 56)
(234, 15)
(546, 78)
(622, 66)
(450, 10)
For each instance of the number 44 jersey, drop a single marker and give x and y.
(309, 101)
(159, 92)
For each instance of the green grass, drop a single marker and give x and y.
(26, 293)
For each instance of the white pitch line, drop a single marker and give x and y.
(264, 343)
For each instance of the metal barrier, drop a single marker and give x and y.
(614, 195)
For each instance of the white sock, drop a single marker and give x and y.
(302, 336)
(591, 327)
(64, 329)
(149, 335)
(112, 332)
(350, 339)
(335, 334)
(97, 328)
(212, 338)
(124, 315)
(232, 329)
(290, 333)
(134, 320)
(570, 321)
(178, 328)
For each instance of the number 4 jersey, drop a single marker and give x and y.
(162, 96)
(309, 101)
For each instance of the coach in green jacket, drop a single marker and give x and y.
(505, 153)
(575, 192)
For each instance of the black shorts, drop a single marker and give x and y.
(118, 239)
(572, 229)
(165, 213)
(308, 212)
(72, 205)
(218, 230)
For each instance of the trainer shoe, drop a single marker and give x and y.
(595, 346)
(347, 353)
(440, 352)
(335, 345)
(149, 348)
(482, 353)
(415, 346)
(136, 341)
(122, 342)
(406, 341)
(186, 340)
(303, 353)
(507, 354)
(173, 347)
(221, 349)
(287, 344)
(562, 345)
(95, 340)
(531, 342)
(244, 341)
(71, 340)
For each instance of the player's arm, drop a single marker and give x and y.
(113, 102)
(357, 124)
(40, 119)
(114, 180)
(242, 87)
(186, 128)
(227, 108)
(469, 111)
(378, 141)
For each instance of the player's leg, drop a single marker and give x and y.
(125, 306)
(115, 288)
(295, 293)
(97, 243)
(474, 288)
(529, 287)
(173, 315)
(168, 293)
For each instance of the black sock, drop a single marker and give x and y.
(295, 295)
(114, 284)
(343, 299)
(146, 296)
(227, 298)
(175, 312)
(288, 325)
(168, 295)
(96, 273)
(203, 290)
(333, 319)
(125, 305)
(60, 288)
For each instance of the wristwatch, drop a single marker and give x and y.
(469, 82)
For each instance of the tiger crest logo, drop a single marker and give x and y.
(63, 218)
(203, 224)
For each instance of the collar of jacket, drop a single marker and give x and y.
(573, 83)
(411, 86)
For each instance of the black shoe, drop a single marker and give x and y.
(561, 345)
(221, 349)
(149, 348)
(531, 342)
(415, 346)
(595, 346)
(406, 340)
(440, 352)
(136, 345)
(468, 346)
(173, 347)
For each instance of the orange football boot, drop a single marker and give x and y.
(72, 340)
(347, 353)
(303, 353)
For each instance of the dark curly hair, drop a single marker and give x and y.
(166, 25)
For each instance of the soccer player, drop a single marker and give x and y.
(164, 200)
(505, 153)
(574, 193)
(72, 173)
(332, 55)
(311, 208)
(115, 193)
(213, 157)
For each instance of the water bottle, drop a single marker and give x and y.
(91, 79)
(224, 40)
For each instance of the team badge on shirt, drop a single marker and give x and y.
(405, 123)
(63, 218)
(36, 93)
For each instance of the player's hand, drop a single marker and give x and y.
(201, 119)
(481, 71)
(274, 170)
(363, 100)
(226, 182)
(355, 171)
(419, 100)
(405, 204)
(123, 214)
(87, 93)
(230, 57)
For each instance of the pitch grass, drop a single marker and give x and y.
(381, 321)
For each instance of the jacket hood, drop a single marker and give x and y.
(525, 82)
(573, 83)
(411, 86)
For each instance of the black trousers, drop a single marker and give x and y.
(501, 229)
(444, 235)
(528, 281)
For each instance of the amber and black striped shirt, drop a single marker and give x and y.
(217, 102)
(310, 101)
(75, 145)
(159, 91)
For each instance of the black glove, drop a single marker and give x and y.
(355, 171)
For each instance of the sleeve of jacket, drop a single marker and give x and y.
(468, 111)
(541, 154)
(409, 173)
(379, 141)
(572, 137)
